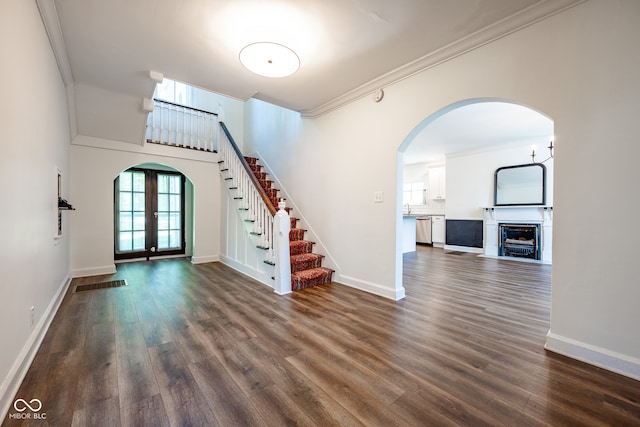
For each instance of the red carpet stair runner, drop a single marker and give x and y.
(306, 267)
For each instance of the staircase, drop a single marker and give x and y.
(306, 267)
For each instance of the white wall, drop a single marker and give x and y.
(580, 68)
(231, 111)
(95, 163)
(106, 114)
(470, 177)
(34, 141)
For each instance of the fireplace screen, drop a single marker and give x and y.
(520, 240)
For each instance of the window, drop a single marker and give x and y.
(173, 91)
(413, 193)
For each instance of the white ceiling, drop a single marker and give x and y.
(347, 48)
(479, 126)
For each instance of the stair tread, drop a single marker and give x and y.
(297, 247)
(306, 256)
(313, 277)
(312, 272)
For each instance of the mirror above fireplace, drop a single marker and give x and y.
(520, 185)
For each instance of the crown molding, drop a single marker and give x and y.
(502, 28)
(49, 16)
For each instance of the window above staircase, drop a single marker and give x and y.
(174, 91)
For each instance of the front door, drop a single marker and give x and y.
(149, 214)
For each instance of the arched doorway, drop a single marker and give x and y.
(153, 213)
(470, 139)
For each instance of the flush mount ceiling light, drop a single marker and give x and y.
(269, 59)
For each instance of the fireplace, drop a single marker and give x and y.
(538, 217)
(519, 240)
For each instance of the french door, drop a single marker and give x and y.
(149, 214)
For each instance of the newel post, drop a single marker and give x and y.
(281, 228)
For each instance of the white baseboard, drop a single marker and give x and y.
(204, 259)
(18, 371)
(94, 271)
(372, 288)
(603, 358)
(463, 249)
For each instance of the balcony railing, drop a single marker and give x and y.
(181, 126)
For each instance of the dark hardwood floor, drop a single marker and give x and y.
(187, 344)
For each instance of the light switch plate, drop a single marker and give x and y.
(378, 197)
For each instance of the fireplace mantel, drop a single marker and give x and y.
(495, 215)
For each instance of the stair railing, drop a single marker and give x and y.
(269, 225)
(181, 126)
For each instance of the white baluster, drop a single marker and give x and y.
(179, 113)
(162, 113)
(157, 115)
(172, 135)
(200, 129)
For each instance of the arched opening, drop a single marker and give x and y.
(459, 148)
(153, 213)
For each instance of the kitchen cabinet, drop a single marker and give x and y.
(438, 230)
(437, 183)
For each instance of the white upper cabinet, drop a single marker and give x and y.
(436, 183)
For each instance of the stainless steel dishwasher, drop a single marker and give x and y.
(423, 230)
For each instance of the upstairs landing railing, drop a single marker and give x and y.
(270, 226)
(181, 126)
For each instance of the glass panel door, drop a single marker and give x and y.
(149, 214)
(131, 212)
(169, 212)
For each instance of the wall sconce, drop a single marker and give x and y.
(63, 205)
(533, 152)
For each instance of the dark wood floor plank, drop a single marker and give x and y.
(242, 369)
(154, 328)
(228, 402)
(183, 399)
(318, 404)
(187, 344)
(367, 404)
(102, 413)
(98, 376)
(136, 380)
(278, 409)
(147, 412)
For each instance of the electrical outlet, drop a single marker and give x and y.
(378, 197)
(32, 316)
